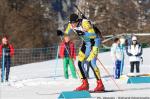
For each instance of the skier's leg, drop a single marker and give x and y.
(82, 70)
(95, 69)
(95, 43)
(84, 85)
(72, 68)
(83, 53)
(65, 63)
(137, 67)
(81, 64)
(81, 60)
(100, 86)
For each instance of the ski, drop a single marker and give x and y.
(137, 75)
(105, 91)
(41, 93)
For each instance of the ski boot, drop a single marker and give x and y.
(99, 87)
(84, 86)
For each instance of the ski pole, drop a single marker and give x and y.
(108, 74)
(56, 61)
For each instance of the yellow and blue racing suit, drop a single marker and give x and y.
(89, 49)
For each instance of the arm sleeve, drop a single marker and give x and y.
(86, 25)
(68, 29)
(113, 48)
(140, 52)
(127, 51)
(88, 28)
(61, 49)
(0, 50)
(11, 50)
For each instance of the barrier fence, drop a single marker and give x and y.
(25, 56)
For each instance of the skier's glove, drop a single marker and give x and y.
(136, 55)
(93, 53)
(80, 33)
(60, 33)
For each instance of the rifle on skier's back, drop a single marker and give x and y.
(94, 26)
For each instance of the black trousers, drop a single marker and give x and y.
(133, 64)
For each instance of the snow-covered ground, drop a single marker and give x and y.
(40, 81)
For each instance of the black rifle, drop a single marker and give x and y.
(94, 26)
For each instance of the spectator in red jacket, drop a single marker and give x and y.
(8, 53)
(67, 52)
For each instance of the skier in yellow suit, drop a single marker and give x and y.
(88, 51)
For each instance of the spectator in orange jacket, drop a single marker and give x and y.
(8, 53)
(67, 52)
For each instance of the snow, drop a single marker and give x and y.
(39, 81)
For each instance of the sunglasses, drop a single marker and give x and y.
(134, 40)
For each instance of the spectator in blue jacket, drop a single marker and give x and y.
(117, 55)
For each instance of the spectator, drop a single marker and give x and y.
(8, 53)
(67, 52)
(134, 51)
(118, 56)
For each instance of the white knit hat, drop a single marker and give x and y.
(134, 38)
